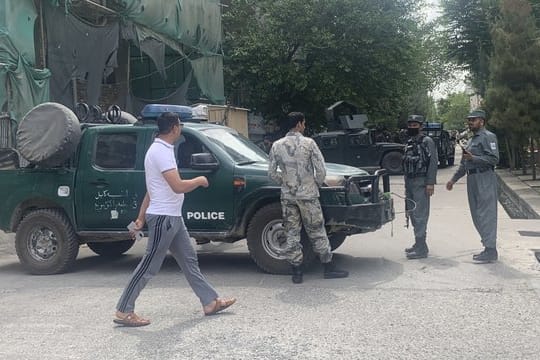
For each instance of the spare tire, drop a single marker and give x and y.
(127, 118)
(48, 134)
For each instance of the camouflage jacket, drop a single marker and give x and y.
(301, 166)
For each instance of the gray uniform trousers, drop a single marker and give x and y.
(415, 189)
(483, 196)
(166, 233)
(309, 213)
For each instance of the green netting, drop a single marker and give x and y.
(208, 71)
(195, 23)
(17, 19)
(21, 85)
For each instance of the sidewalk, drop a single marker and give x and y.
(522, 191)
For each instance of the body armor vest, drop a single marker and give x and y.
(416, 158)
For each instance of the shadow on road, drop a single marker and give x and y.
(229, 269)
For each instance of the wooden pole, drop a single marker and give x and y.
(42, 36)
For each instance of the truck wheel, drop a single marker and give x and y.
(336, 240)
(392, 162)
(266, 237)
(451, 161)
(111, 249)
(46, 242)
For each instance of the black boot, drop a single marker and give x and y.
(486, 256)
(331, 272)
(419, 250)
(411, 249)
(297, 275)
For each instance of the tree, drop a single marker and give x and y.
(467, 24)
(513, 97)
(282, 55)
(453, 110)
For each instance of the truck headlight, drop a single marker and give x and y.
(334, 180)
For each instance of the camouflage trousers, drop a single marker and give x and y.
(308, 213)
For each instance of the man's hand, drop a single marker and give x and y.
(449, 185)
(203, 181)
(139, 223)
(467, 155)
(430, 190)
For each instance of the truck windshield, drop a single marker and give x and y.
(238, 147)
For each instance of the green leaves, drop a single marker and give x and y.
(304, 55)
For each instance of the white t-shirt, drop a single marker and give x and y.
(163, 200)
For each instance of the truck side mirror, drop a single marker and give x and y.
(204, 161)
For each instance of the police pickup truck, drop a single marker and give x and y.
(92, 196)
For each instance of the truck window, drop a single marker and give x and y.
(359, 139)
(187, 146)
(329, 142)
(116, 151)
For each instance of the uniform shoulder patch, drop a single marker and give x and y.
(493, 145)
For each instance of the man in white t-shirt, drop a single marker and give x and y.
(162, 210)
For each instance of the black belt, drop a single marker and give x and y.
(478, 170)
(412, 176)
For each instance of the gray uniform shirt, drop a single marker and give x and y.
(301, 166)
(485, 150)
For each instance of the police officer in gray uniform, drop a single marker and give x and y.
(478, 162)
(301, 173)
(420, 170)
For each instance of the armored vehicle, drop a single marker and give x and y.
(445, 146)
(350, 142)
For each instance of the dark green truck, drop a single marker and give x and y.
(97, 192)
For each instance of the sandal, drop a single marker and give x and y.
(131, 320)
(219, 305)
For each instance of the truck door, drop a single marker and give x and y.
(211, 208)
(110, 180)
(360, 152)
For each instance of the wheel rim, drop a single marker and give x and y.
(42, 244)
(274, 239)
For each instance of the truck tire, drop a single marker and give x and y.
(392, 162)
(266, 236)
(111, 249)
(48, 135)
(336, 240)
(46, 242)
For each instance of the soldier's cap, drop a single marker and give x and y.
(415, 118)
(477, 114)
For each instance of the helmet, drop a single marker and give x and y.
(415, 118)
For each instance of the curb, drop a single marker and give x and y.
(525, 199)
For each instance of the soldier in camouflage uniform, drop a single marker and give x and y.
(420, 171)
(478, 162)
(301, 173)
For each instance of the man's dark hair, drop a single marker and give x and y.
(294, 118)
(166, 122)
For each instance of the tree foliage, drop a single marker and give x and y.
(453, 110)
(467, 24)
(513, 97)
(284, 55)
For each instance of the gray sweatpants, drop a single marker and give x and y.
(166, 233)
(483, 196)
(415, 189)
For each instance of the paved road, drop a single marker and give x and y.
(443, 307)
